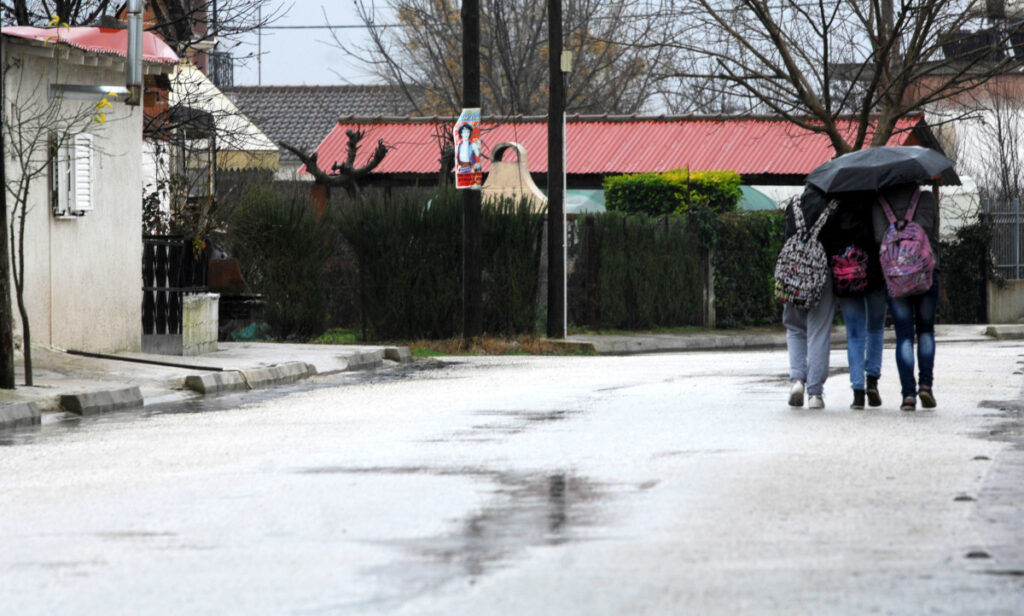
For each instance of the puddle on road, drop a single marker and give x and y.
(524, 511)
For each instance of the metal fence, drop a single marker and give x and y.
(1007, 237)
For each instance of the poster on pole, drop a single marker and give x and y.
(468, 168)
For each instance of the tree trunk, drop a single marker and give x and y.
(6, 317)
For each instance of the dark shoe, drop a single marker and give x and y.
(874, 398)
(858, 400)
(909, 404)
(926, 395)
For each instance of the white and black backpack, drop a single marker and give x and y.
(801, 269)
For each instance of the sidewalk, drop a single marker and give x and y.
(764, 338)
(88, 385)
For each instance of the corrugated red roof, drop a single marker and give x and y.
(98, 40)
(606, 145)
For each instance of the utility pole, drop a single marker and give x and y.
(556, 175)
(472, 250)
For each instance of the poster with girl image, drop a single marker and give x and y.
(468, 168)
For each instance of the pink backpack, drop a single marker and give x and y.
(906, 254)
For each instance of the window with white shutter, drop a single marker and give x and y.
(71, 176)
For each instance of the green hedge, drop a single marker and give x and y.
(636, 272)
(408, 254)
(673, 192)
(965, 265)
(283, 249)
(747, 246)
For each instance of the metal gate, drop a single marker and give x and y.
(169, 270)
(1007, 237)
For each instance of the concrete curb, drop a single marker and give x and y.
(215, 382)
(253, 378)
(366, 360)
(400, 354)
(19, 414)
(96, 402)
(1005, 332)
(281, 374)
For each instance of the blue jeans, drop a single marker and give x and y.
(914, 317)
(864, 316)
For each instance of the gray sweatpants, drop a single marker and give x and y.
(809, 340)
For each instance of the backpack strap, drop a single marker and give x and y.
(798, 215)
(909, 215)
(823, 218)
(888, 210)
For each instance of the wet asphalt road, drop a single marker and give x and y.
(666, 484)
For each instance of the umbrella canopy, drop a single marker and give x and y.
(878, 167)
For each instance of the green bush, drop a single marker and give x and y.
(511, 251)
(408, 253)
(672, 192)
(965, 265)
(643, 272)
(748, 244)
(282, 247)
(409, 263)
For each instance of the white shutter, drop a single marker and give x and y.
(80, 187)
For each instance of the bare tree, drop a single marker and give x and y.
(814, 61)
(422, 55)
(345, 175)
(42, 12)
(183, 24)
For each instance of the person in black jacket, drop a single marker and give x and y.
(809, 332)
(862, 301)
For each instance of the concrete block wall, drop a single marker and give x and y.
(1006, 303)
(199, 323)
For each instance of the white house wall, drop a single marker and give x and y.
(83, 275)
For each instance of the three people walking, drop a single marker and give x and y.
(868, 252)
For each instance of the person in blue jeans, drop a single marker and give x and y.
(860, 287)
(913, 317)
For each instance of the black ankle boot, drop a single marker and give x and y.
(874, 398)
(858, 399)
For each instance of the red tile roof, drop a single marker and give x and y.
(606, 145)
(98, 40)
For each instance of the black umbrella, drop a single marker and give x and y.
(882, 166)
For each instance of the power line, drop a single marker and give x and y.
(330, 27)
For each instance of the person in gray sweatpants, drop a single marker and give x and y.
(809, 332)
(809, 340)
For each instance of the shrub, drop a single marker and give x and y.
(637, 272)
(511, 250)
(748, 244)
(408, 253)
(673, 192)
(282, 247)
(965, 266)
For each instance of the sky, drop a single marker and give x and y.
(307, 56)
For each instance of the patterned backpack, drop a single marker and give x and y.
(801, 269)
(906, 254)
